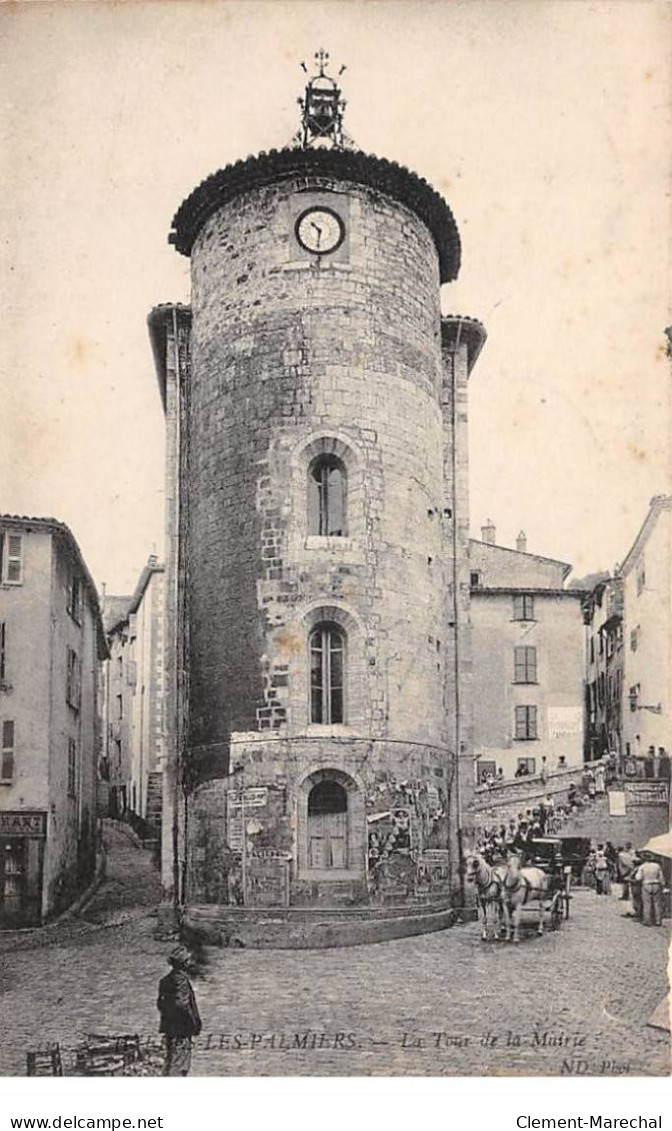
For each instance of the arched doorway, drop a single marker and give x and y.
(328, 825)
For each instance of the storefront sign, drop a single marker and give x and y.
(646, 793)
(23, 824)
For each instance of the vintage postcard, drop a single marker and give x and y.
(335, 539)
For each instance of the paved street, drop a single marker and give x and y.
(438, 1004)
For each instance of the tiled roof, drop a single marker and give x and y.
(360, 168)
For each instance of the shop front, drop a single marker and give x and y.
(22, 839)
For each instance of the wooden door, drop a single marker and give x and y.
(327, 840)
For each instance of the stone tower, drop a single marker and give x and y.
(317, 513)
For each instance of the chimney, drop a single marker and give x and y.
(521, 542)
(488, 532)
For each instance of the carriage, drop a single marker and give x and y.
(539, 880)
(549, 854)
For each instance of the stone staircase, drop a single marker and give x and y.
(154, 800)
(639, 823)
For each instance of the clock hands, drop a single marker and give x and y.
(318, 230)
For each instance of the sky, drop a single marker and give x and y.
(545, 125)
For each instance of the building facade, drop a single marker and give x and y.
(646, 575)
(317, 575)
(51, 646)
(528, 661)
(604, 669)
(133, 699)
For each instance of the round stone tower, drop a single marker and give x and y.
(320, 548)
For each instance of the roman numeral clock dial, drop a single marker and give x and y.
(320, 230)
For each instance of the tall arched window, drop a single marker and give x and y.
(327, 486)
(327, 825)
(327, 674)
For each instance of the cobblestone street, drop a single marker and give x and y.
(436, 1004)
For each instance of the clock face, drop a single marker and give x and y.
(320, 230)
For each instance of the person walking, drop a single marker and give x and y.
(180, 1020)
(650, 875)
(602, 883)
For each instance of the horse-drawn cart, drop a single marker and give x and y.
(547, 854)
(538, 880)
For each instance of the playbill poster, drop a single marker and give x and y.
(335, 527)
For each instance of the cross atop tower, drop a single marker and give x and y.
(322, 109)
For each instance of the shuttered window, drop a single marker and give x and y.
(7, 753)
(526, 722)
(525, 665)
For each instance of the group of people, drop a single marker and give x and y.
(640, 875)
(517, 835)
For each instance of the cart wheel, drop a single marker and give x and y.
(556, 913)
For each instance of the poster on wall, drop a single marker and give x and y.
(616, 803)
(565, 722)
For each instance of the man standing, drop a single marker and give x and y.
(602, 884)
(180, 1020)
(626, 860)
(650, 875)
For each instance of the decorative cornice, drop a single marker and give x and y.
(359, 168)
(456, 328)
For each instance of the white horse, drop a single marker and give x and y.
(522, 887)
(489, 881)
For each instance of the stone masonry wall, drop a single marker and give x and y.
(290, 358)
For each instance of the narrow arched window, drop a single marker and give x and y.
(327, 486)
(327, 674)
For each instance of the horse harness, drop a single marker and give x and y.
(522, 881)
(492, 881)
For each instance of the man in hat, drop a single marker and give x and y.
(650, 876)
(180, 1020)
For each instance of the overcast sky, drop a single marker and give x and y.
(546, 126)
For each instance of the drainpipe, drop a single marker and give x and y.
(456, 618)
(177, 636)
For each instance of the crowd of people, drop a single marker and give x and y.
(639, 874)
(518, 833)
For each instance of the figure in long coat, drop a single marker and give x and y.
(180, 1020)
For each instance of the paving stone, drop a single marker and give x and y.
(591, 986)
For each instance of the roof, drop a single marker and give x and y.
(158, 321)
(359, 168)
(115, 609)
(458, 327)
(63, 532)
(658, 504)
(524, 554)
(131, 604)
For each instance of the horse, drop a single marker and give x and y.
(489, 882)
(521, 887)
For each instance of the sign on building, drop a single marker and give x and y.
(23, 824)
(646, 793)
(565, 722)
(254, 797)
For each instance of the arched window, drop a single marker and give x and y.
(327, 486)
(327, 825)
(327, 674)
